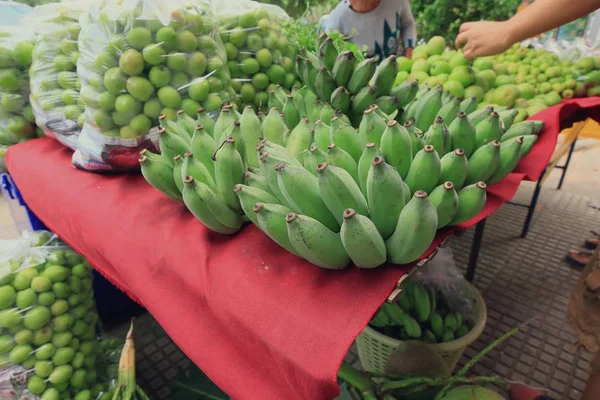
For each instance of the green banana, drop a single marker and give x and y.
(250, 132)
(298, 99)
(447, 97)
(340, 99)
(528, 142)
(406, 192)
(301, 191)
(315, 242)
(410, 110)
(428, 108)
(177, 164)
(309, 162)
(425, 170)
(459, 318)
(454, 166)
(538, 126)
(429, 337)
(362, 74)
(248, 196)
(386, 76)
(206, 121)
(342, 117)
(322, 134)
(484, 163)
(445, 200)
(255, 180)
(291, 115)
(346, 138)
(339, 191)
(340, 158)
(462, 134)
(300, 139)
(419, 298)
(327, 113)
(159, 174)
(273, 127)
(437, 136)
(386, 196)
(396, 147)
(319, 154)
(450, 111)
(371, 128)
(448, 336)
(271, 220)
(229, 171)
(324, 84)
(300, 68)
(405, 92)
(208, 207)
(388, 104)
(223, 123)
(508, 117)
(462, 331)
(185, 122)
(268, 164)
(204, 146)
(364, 99)
(432, 298)
(510, 155)
(364, 165)
(380, 319)
(175, 129)
(416, 137)
(194, 168)
(437, 325)
(480, 115)
(362, 241)
(170, 143)
(310, 76)
(468, 105)
(524, 128)
(471, 200)
(412, 327)
(392, 311)
(404, 302)
(343, 68)
(328, 53)
(488, 130)
(312, 104)
(274, 100)
(450, 323)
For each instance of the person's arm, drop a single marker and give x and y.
(487, 37)
(409, 28)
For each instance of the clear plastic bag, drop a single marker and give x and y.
(53, 75)
(48, 319)
(258, 55)
(16, 116)
(139, 59)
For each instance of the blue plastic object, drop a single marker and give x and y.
(17, 206)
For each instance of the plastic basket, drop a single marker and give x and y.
(374, 348)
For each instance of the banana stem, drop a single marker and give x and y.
(483, 352)
(355, 378)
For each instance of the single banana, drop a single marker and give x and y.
(291, 115)
(411, 326)
(340, 158)
(411, 109)
(414, 232)
(274, 100)
(186, 122)
(300, 138)
(429, 337)
(171, 143)
(224, 122)
(432, 299)
(425, 170)
(300, 67)
(362, 241)
(177, 164)
(328, 53)
(524, 128)
(268, 165)
(419, 298)
(364, 165)
(461, 331)
(437, 325)
(362, 74)
(174, 129)
(380, 319)
(298, 99)
(208, 207)
(386, 76)
(479, 115)
(319, 154)
(394, 312)
(371, 128)
(447, 97)
(206, 121)
(484, 163)
(255, 180)
(248, 196)
(386, 196)
(405, 92)
(343, 117)
(445, 200)
(194, 168)
(404, 302)
(322, 134)
(450, 111)
(340, 99)
(339, 191)
(406, 192)
(346, 138)
(326, 114)
(343, 68)
(324, 84)
(364, 99)
(462, 134)
(250, 132)
(271, 220)
(428, 108)
(388, 104)
(416, 137)
(488, 130)
(471, 200)
(528, 142)
(279, 152)
(301, 191)
(234, 132)
(310, 76)
(510, 155)
(159, 174)
(310, 162)
(273, 127)
(437, 135)
(454, 167)
(203, 147)
(508, 118)
(315, 242)
(312, 104)
(450, 323)
(538, 126)
(396, 147)
(229, 171)
(468, 105)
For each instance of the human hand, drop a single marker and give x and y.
(483, 38)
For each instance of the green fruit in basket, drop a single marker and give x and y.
(72, 112)
(169, 97)
(139, 37)
(22, 53)
(120, 119)
(8, 296)
(41, 284)
(186, 41)
(6, 344)
(20, 353)
(179, 80)
(19, 126)
(197, 64)
(215, 64)
(71, 97)
(190, 107)
(59, 307)
(140, 124)
(250, 66)
(23, 278)
(63, 356)
(199, 90)
(131, 62)
(176, 61)
(115, 81)
(37, 317)
(127, 104)
(159, 76)
(167, 37)
(106, 101)
(154, 54)
(169, 113)
(63, 63)
(237, 37)
(36, 385)
(43, 368)
(152, 108)
(213, 102)
(264, 58)
(68, 79)
(140, 88)
(42, 336)
(50, 394)
(61, 374)
(24, 336)
(60, 290)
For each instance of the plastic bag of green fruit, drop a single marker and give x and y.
(16, 116)
(48, 343)
(140, 59)
(53, 74)
(258, 55)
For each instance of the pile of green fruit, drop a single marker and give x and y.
(16, 116)
(421, 313)
(48, 319)
(258, 54)
(54, 81)
(333, 194)
(137, 64)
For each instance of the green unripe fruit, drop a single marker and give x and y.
(61, 374)
(42, 336)
(45, 352)
(46, 299)
(41, 284)
(37, 317)
(24, 336)
(8, 295)
(20, 353)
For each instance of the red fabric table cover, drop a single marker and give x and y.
(261, 323)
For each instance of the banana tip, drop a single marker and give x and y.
(188, 179)
(142, 159)
(322, 167)
(280, 166)
(377, 161)
(420, 194)
(188, 154)
(428, 148)
(179, 112)
(481, 185)
(258, 207)
(349, 213)
(290, 217)
(459, 152)
(200, 110)
(237, 187)
(448, 185)
(392, 123)
(161, 130)
(199, 127)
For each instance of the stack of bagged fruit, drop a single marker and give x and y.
(333, 194)
(421, 313)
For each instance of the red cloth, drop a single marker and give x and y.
(261, 323)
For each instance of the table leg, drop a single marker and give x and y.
(475, 247)
(564, 168)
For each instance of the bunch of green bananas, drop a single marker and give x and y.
(420, 314)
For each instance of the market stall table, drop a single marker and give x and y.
(260, 322)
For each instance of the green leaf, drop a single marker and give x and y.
(196, 386)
